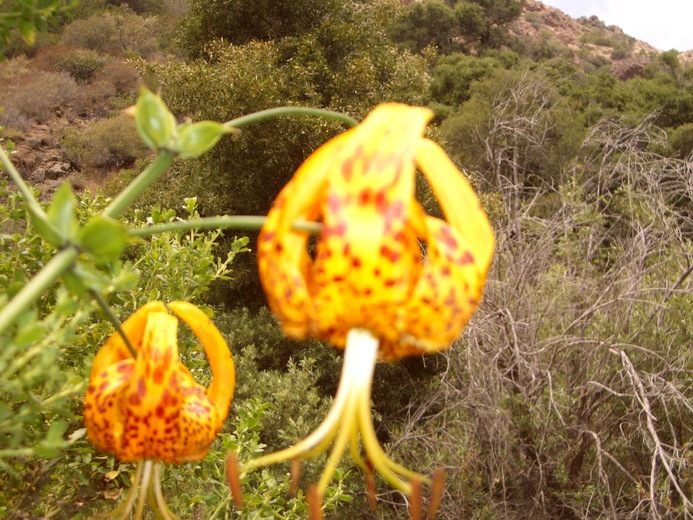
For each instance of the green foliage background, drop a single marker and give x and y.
(570, 394)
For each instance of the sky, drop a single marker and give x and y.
(664, 24)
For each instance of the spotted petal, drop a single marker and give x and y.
(114, 349)
(283, 261)
(367, 257)
(460, 204)
(151, 407)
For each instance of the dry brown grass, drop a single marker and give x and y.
(35, 96)
(573, 397)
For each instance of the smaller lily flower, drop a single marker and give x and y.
(149, 408)
(385, 280)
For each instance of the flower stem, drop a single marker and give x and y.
(46, 277)
(115, 321)
(32, 204)
(247, 222)
(133, 190)
(271, 113)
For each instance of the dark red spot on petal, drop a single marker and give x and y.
(333, 203)
(446, 238)
(467, 258)
(158, 375)
(348, 168)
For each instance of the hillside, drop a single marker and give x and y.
(587, 40)
(40, 152)
(568, 395)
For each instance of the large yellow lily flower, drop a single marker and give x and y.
(385, 279)
(150, 408)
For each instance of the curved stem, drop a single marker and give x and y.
(115, 322)
(247, 222)
(133, 190)
(271, 113)
(32, 204)
(45, 278)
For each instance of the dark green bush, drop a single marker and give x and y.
(82, 65)
(107, 143)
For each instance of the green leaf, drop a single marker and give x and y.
(74, 284)
(61, 212)
(194, 139)
(125, 279)
(155, 123)
(46, 230)
(27, 30)
(91, 278)
(41, 24)
(50, 446)
(103, 239)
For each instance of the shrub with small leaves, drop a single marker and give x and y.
(82, 64)
(106, 143)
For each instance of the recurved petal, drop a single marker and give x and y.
(151, 401)
(283, 261)
(367, 257)
(114, 350)
(103, 415)
(199, 421)
(448, 290)
(220, 391)
(460, 204)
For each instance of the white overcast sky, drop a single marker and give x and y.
(664, 24)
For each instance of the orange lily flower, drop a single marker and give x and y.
(150, 408)
(385, 280)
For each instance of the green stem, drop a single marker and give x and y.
(126, 197)
(46, 277)
(115, 321)
(32, 204)
(270, 113)
(247, 222)
(17, 452)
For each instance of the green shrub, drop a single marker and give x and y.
(108, 143)
(82, 65)
(97, 32)
(115, 32)
(681, 140)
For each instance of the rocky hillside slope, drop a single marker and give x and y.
(49, 120)
(586, 40)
